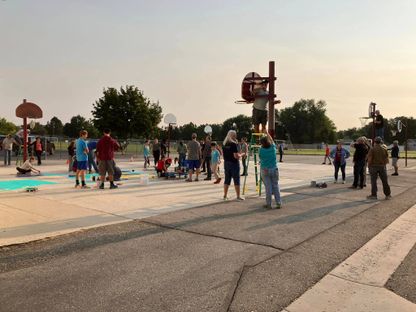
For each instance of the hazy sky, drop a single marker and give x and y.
(192, 55)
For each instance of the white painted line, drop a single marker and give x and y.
(357, 284)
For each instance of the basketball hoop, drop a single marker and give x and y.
(399, 126)
(364, 121)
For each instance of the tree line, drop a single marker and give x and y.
(130, 114)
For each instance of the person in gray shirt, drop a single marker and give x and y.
(194, 157)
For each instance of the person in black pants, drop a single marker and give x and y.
(207, 157)
(156, 151)
(359, 159)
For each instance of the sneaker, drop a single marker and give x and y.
(330, 164)
(188, 180)
(77, 186)
(267, 206)
(323, 163)
(343, 181)
(101, 186)
(240, 199)
(207, 179)
(196, 180)
(395, 174)
(388, 197)
(113, 186)
(335, 181)
(225, 198)
(217, 181)
(278, 205)
(85, 187)
(371, 197)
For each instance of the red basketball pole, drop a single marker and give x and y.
(272, 95)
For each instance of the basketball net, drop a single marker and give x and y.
(364, 121)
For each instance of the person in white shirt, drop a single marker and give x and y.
(27, 167)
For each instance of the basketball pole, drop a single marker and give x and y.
(272, 96)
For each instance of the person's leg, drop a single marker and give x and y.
(373, 176)
(384, 181)
(236, 178)
(361, 173)
(208, 164)
(227, 178)
(103, 170)
(343, 172)
(356, 174)
(82, 174)
(336, 166)
(214, 169)
(275, 187)
(265, 176)
(39, 156)
(5, 157)
(77, 178)
(9, 157)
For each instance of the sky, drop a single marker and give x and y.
(191, 56)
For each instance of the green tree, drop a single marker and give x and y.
(186, 131)
(54, 127)
(127, 113)
(306, 122)
(7, 127)
(78, 123)
(38, 129)
(241, 123)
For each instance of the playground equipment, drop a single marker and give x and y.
(27, 110)
(250, 83)
(400, 126)
(170, 120)
(253, 149)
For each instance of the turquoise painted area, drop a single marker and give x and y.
(12, 185)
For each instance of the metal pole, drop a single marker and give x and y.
(373, 114)
(24, 139)
(405, 147)
(272, 95)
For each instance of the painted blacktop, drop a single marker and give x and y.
(325, 250)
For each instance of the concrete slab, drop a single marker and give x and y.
(335, 294)
(161, 270)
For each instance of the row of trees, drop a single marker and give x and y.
(129, 114)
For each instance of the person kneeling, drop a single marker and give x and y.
(161, 167)
(27, 167)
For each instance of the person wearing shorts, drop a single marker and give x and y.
(81, 149)
(231, 163)
(194, 158)
(395, 157)
(106, 147)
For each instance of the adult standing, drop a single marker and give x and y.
(259, 116)
(379, 124)
(281, 152)
(231, 163)
(194, 158)
(182, 150)
(38, 146)
(269, 170)
(207, 157)
(163, 148)
(395, 157)
(339, 155)
(106, 147)
(156, 151)
(81, 150)
(7, 144)
(92, 145)
(71, 154)
(244, 154)
(359, 159)
(378, 158)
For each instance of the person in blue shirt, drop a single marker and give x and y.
(269, 170)
(81, 149)
(92, 146)
(339, 155)
(215, 162)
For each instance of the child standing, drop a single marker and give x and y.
(146, 153)
(326, 155)
(269, 170)
(215, 161)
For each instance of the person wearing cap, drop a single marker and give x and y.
(378, 158)
(379, 124)
(359, 158)
(395, 157)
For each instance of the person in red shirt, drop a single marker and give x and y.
(161, 167)
(326, 155)
(106, 147)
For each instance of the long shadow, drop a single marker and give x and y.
(307, 215)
